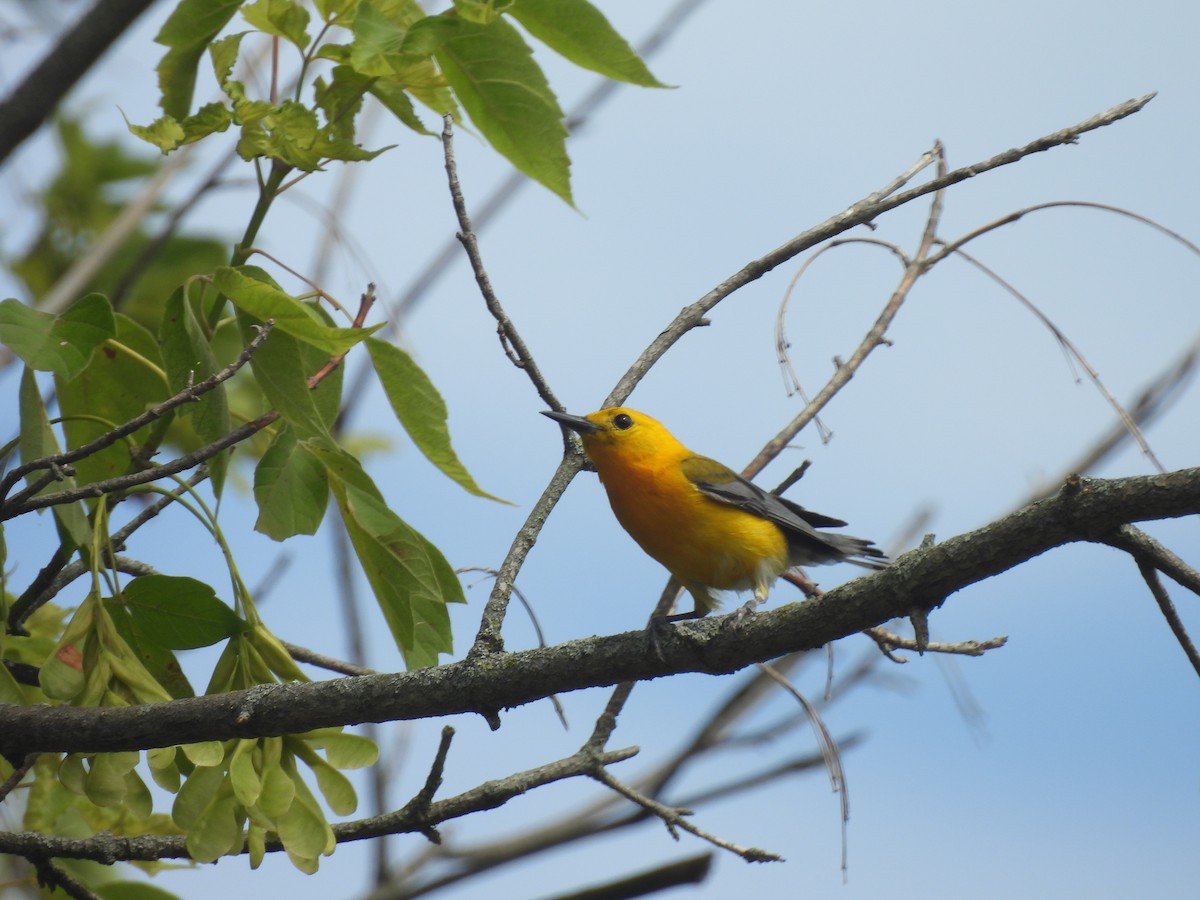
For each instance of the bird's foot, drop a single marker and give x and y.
(743, 613)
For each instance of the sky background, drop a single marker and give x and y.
(1079, 774)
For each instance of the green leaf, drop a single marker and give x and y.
(188, 359)
(120, 382)
(421, 410)
(335, 788)
(377, 41)
(187, 31)
(247, 786)
(396, 101)
(37, 441)
(346, 751)
(105, 784)
(266, 301)
(290, 488)
(178, 613)
(303, 829)
(278, 791)
(204, 753)
(492, 72)
(165, 133)
(216, 831)
(224, 54)
(481, 12)
(60, 344)
(157, 660)
(10, 689)
(138, 802)
(282, 18)
(196, 794)
(411, 579)
(579, 32)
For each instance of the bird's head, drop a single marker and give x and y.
(619, 433)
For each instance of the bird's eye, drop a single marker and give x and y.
(623, 421)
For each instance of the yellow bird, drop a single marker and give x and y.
(711, 528)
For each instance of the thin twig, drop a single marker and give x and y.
(829, 752)
(675, 818)
(124, 482)
(313, 658)
(514, 346)
(188, 395)
(18, 773)
(889, 641)
(1074, 353)
(1150, 574)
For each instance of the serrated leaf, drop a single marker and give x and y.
(492, 72)
(224, 54)
(165, 133)
(266, 301)
(188, 358)
(396, 101)
(282, 18)
(421, 410)
(290, 488)
(178, 612)
(377, 40)
(580, 32)
(411, 579)
(187, 32)
(61, 344)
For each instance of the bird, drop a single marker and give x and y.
(711, 528)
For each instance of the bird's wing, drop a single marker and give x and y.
(799, 524)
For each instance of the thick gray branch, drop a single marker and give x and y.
(1085, 510)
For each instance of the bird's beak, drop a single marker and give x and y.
(575, 423)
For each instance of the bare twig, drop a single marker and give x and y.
(514, 346)
(829, 752)
(1074, 353)
(123, 482)
(1153, 399)
(1163, 599)
(18, 773)
(313, 658)
(889, 641)
(675, 818)
(54, 876)
(32, 101)
(188, 395)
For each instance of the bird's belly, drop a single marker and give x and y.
(700, 541)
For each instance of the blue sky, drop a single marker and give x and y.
(1080, 776)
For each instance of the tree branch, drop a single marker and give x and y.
(1085, 510)
(35, 98)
